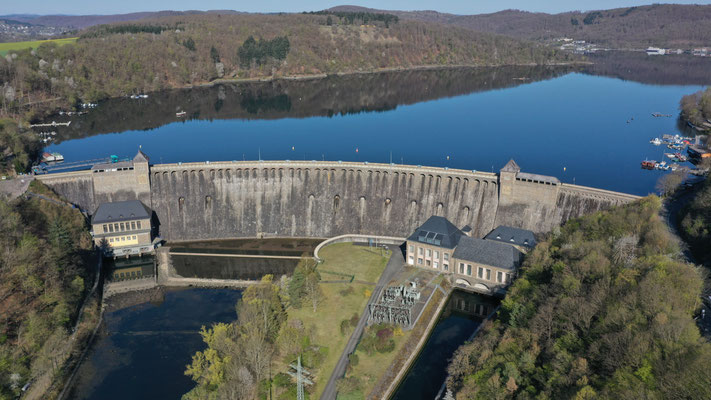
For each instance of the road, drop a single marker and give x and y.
(394, 264)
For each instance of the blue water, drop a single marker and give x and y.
(143, 349)
(573, 127)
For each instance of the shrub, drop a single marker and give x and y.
(353, 359)
(282, 380)
(385, 346)
(345, 324)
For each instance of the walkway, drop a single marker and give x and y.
(178, 253)
(394, 264)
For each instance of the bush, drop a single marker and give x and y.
(385, 346)
(345, 324)
(353, 359)
(282, 380)
(354, 319)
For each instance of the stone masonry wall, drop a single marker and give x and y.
(326, 199)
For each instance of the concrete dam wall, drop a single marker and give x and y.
(318, 200)
(326, 199)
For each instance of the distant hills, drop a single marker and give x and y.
(85, 21)
(666, 25)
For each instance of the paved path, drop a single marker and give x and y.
(394, 264)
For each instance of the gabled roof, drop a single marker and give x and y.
(507, 234)
(141, 157)
(511, 166)
(437, 231)
(487, 252)
(120, 211)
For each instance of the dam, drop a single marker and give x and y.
(238, 199)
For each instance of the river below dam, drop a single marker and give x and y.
(145, 343)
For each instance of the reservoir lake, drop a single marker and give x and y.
(587, 125)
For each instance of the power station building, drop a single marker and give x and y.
(123, 228)
(490, 263)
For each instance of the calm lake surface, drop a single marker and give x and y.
(588, 125)
(142, 350)
(588, 129)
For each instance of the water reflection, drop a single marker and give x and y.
(335, 95)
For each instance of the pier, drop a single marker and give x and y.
(53, 123)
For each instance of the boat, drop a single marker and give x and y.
(656, 141)
(180, 114)
(52, 157)
(648, 164)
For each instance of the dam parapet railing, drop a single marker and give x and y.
(280, 164)
(356, 238)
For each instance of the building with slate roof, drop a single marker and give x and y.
(123, 228)
(488, 264)
(522, 239)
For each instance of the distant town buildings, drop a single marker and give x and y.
(490, 263)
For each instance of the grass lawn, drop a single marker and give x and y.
(9, 46)
(339, 301)
(371, 368)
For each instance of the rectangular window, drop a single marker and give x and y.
(469, 269)
(508, 277)
(480, 273)
(411, 260)
(436, 264)
(436, 254)
(446, 256)
(446, 267)
(420, 251)
(461, 268)
(499, 276)
(429, 253)
(123, 238)
(138, 224)
(428, 262)
(419, 261)
(111, 240)
(134, 237)
(411, 249)
(488, 274)
(122, 227)
(133, 225)
(116, 226)
(105, 228)
(111, 228)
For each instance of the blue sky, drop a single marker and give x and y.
(451, 6)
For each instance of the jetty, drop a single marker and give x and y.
(53, 123)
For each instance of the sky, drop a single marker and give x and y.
(82, 7)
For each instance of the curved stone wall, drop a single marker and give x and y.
(207, 200)
(202, 201)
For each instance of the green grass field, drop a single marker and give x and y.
(10, 46)
(345, 258)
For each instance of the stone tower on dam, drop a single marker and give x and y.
(323, 199)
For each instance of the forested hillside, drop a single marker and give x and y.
(603, 309)
(696, 109)
(43, 278)
(668, 25)
(128, 58)
(696, 224)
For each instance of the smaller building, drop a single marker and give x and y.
(123, 228)
(522, 239)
